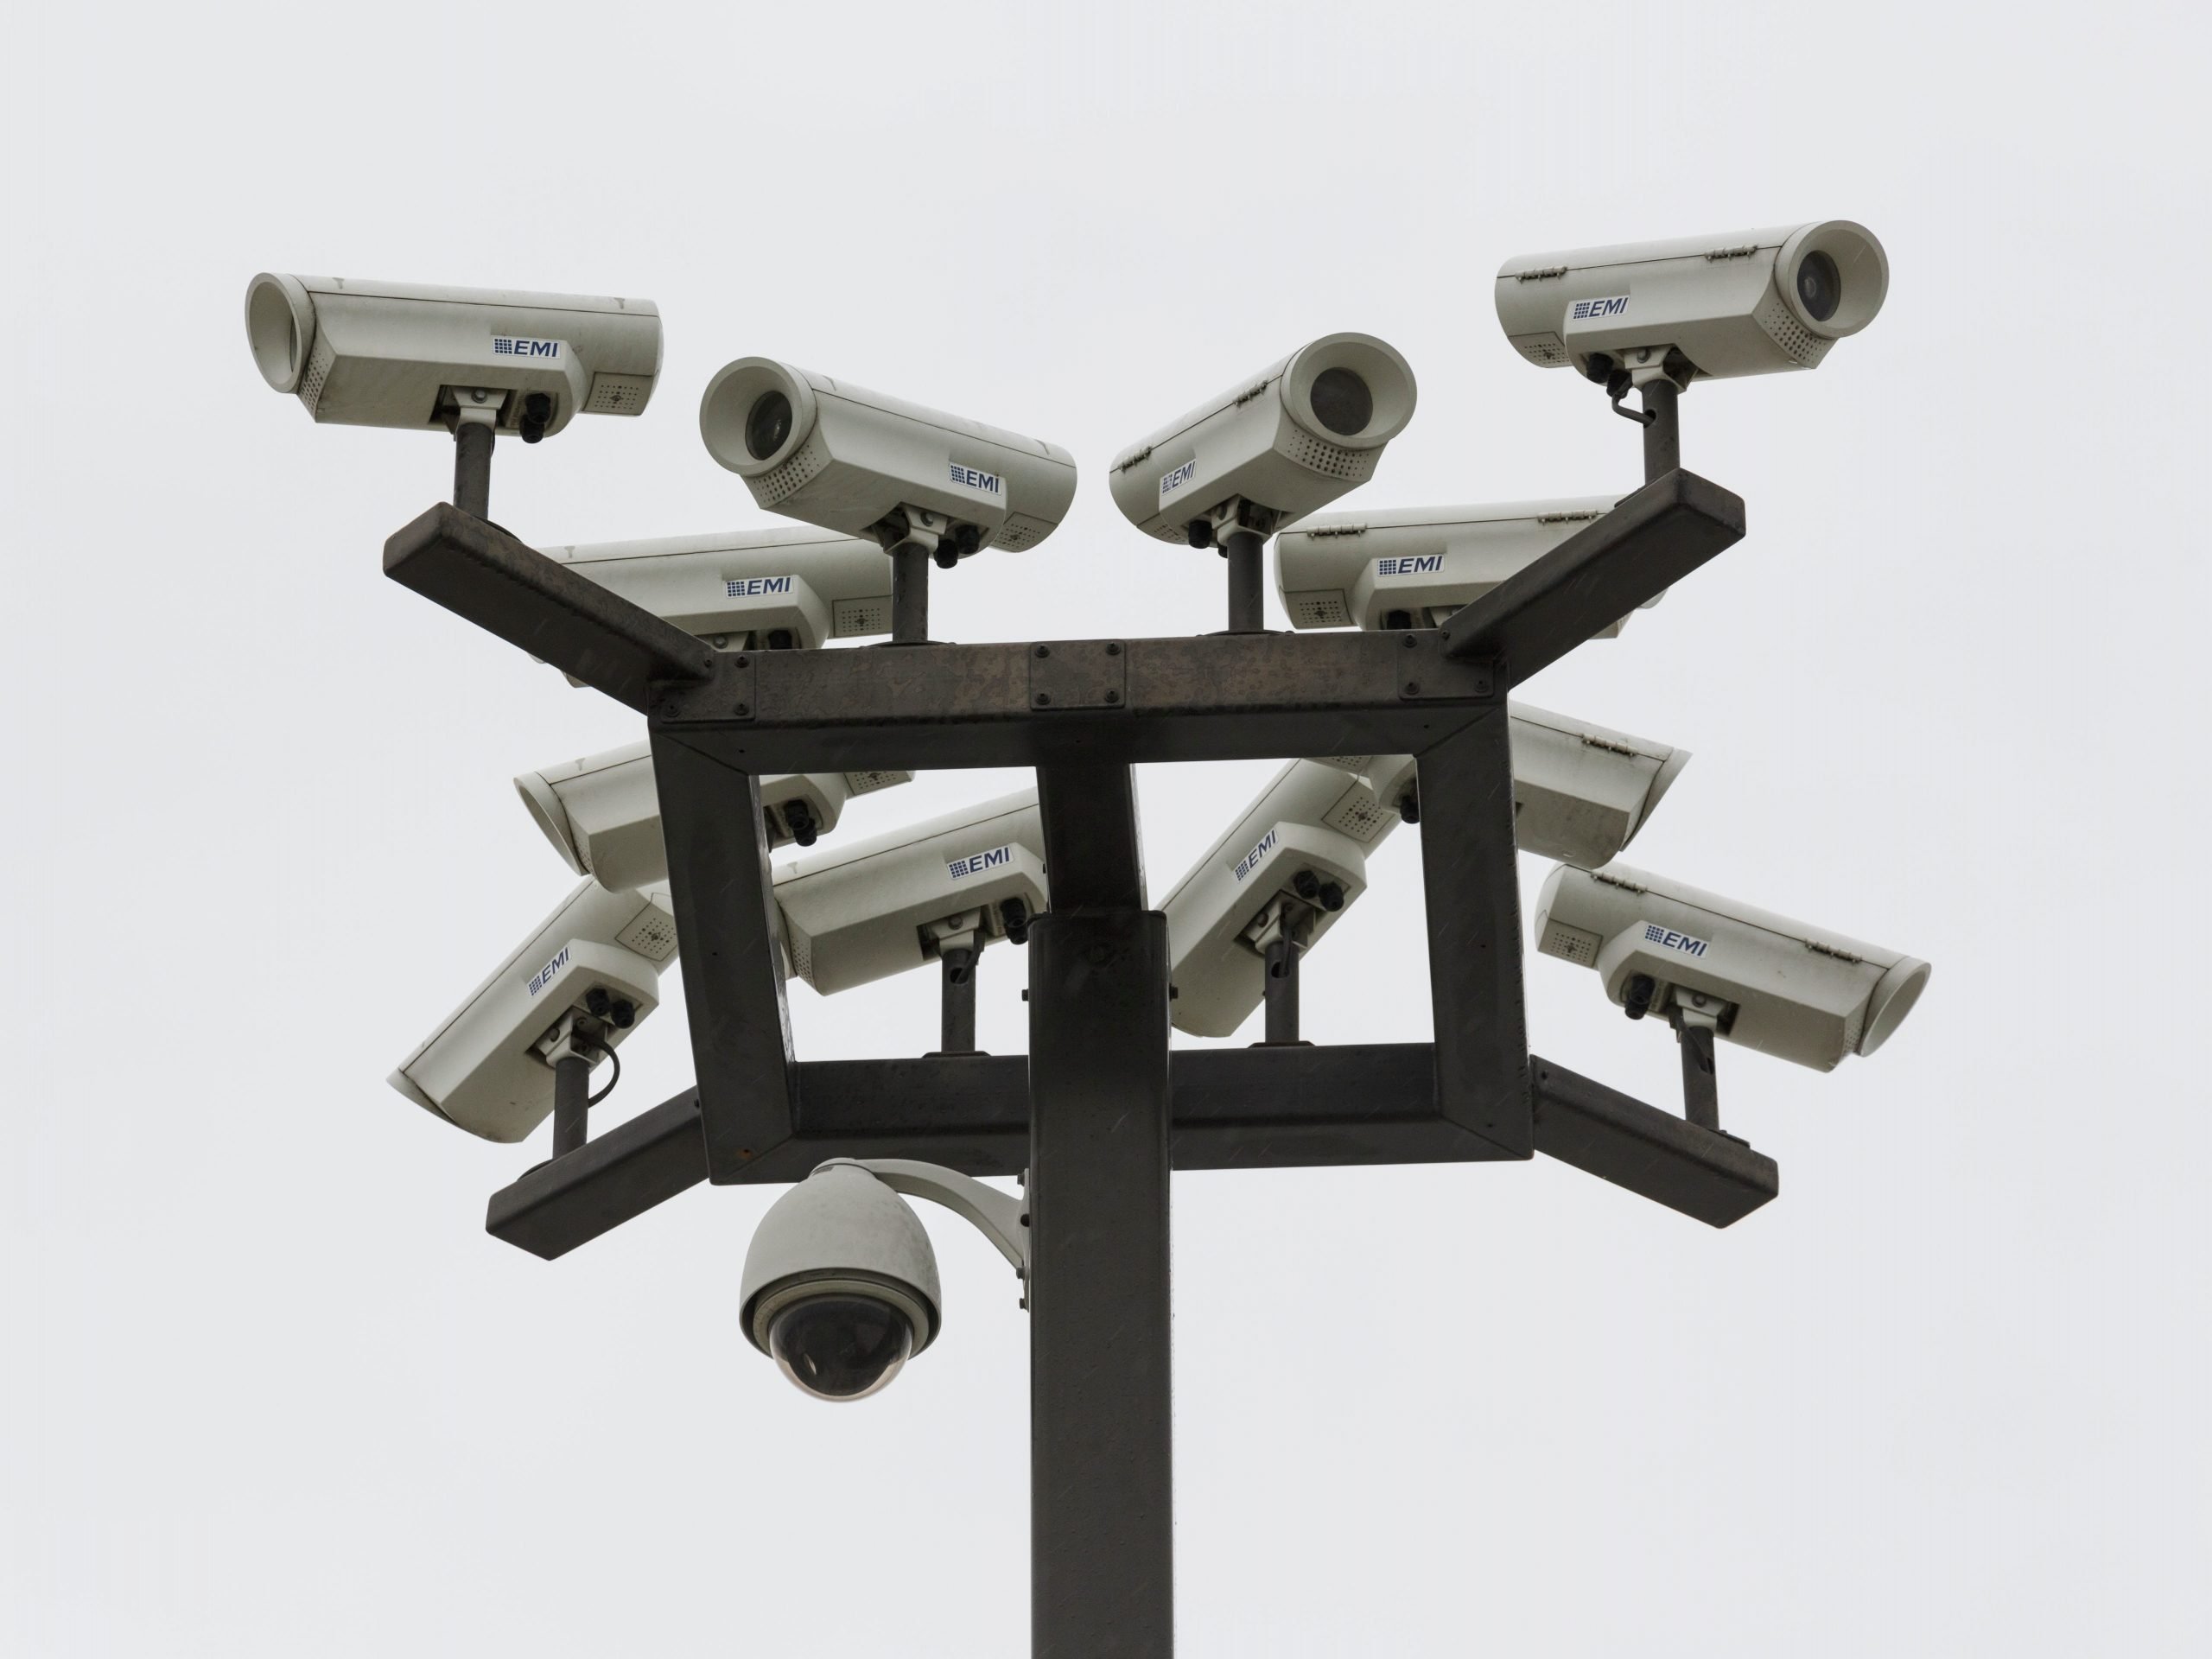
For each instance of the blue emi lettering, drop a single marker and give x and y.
(506, 346)
(1175, 481)
(1426, 564)
(976, 863)
(754, 587)
(1666, 938)
(970, 478)
(1584, 310)
(543, 976)
(1250, 862)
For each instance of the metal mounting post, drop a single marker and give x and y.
(1282, 988)
(958, 1034)
(571, 1103)
(1247, 556)
(1700, 1084)
(1662, 428)
(910, 594)
(472, 467)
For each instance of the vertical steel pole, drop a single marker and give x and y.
(910, 594)
(1662, 430)
(1248, 562)
(472, 468)
(1101, 1476)
(958, 1032)
(1282, 988)
(571, 1096)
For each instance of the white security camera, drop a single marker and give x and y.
(1290, 865)
(840, 1288)
(1413, 567)
(1758, 980)
(868, 909)
(753, 590)
(1276, 446)
(854, 462)
(602, 813)
(1581, 791)
(489, 1066)
(1701, 308)
(368, 354)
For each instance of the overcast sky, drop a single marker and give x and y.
(267, 1388)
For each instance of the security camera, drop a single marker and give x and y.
(1580, 791)
(868, 909)
(489, 1066)
(1288, 867)
(1413, 567)
(368, 354)
(857, 462)
(602, 813)
(752, 590)
(1276, 446)
(1758, 980)
(1701, 308)
(840, 1288)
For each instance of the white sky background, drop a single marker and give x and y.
(266, 1387)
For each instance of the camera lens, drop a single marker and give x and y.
(1820, 286)
(768, 425)
(840, 1347)
(1342, 402)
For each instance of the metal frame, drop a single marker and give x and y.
(1100, 1109)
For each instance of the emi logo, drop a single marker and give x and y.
(976, 863)
(972, 477)
(511, 346)
(1585, 310)
(1426, 564)
(543, 976)
(1667, 939)
(1175, 481)
(754, 587)
(1250, 862)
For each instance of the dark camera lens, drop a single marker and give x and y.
(768, 425)
(840, 1347)
(1342, 402)
(1820, 286)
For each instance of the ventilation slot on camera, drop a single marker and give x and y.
(1321, 608)
(777, 482)
(867, 783)
(318, 372)
(1345, 762)
(618, 394)
(1019, 532)
(1804, 347)
(801, 944)
(1545, 351)
(1358, 814)
(652, 935)
(851, 617)
(1332, 461)
(1570, 945)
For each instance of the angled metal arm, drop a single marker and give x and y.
(1598, 575)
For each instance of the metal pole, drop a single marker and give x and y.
(1700, 1084)
(472, 468)
(1662, 429)
(910, 594)
(1247, 556)
(959, 1019)
(1101, 1499)
(571, 1092)
(1282, 988)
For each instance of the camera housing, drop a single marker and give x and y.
(1413, 567)
(868, 909)
(1759, 980)
(482, 1068)
(402, 354)
(749, 590)
(841, 1286)
(861, 464)
(1283, 442)
(602, 813)
(1581, 791)
(1695, 308)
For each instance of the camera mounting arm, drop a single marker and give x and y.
(999, 1217)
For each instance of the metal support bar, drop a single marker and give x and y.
(958, 996)
(1093, 857)
(1248, 563)
(730, 932)
(1474, 935)
(1102, 1535)
(1700, 1084)
(571, 1103)
(910, 594)
(1709, 1176)
(472, 467)
(1282, 958)
(1662, 429)
(1648, 542)
(477, 570)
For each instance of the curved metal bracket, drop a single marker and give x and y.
(999, 1217)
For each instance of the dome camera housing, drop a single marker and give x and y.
(841, 1284)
